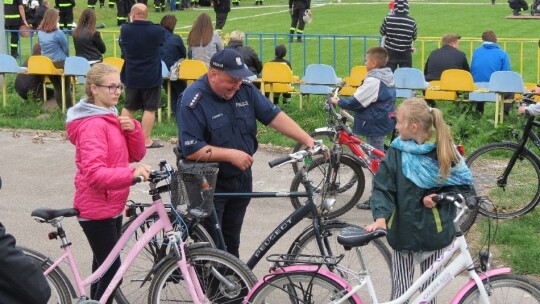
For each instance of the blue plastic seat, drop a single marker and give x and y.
(319, 79)
(8, 65)
(76, 68)
(407, 81)
(502, 82)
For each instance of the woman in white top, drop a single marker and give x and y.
(203, 41)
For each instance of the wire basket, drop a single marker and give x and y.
(192, 191)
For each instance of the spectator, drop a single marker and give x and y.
(54, 45)
(203, 41)
(27, 85)
(399, 31)
(140, 42)
(421, 163)
(517, 6)
(14, 17)
(105, 144)
(280, 51)
(65, 7)
(486, 59)
(236, 41)
(21, 280)
(297, 8)
(87, 40)
(222, 9)
(172, 51)
(448, 56)
(219, 111)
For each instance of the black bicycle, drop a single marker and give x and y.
(509, 172)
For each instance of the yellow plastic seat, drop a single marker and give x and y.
(352, 82)
(115, 61)
(42, 65)
(277, 77)
(453, 81)
(191, 69)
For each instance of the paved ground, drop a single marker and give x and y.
(37, 170)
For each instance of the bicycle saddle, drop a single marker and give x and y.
(355, 236)
(46, 214)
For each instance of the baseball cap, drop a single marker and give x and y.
(450, 38)
(231, 62)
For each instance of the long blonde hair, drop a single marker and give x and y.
(416, 110)
(201, 32)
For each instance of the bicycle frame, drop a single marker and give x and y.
(188, 272)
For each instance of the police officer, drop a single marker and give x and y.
(66, 13)
(218, 113)
(297, 9)
(14, 16)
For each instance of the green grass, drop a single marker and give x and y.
(517, 240)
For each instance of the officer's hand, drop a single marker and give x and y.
(241, 159)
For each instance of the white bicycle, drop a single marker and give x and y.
(306, 279)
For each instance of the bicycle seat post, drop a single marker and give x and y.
(60, 232)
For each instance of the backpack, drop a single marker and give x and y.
(175, 68)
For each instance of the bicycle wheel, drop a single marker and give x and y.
(136, 281)
(298, 287)
(167, 286)
(347, 189)
(58, 281)
(327, 138)
(522, 190)
(376, 255)
(468, 219)
(505, 288)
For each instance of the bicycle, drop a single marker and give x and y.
(319, 237)
(507, 170)
(194, 272)
(305, 280)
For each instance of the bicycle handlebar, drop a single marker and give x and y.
(297, 156)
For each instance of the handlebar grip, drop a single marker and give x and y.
(137, 179)
(279, 161)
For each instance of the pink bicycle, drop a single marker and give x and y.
(193, 273)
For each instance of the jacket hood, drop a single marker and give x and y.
(489, 45)
(385, 75)
(401, 7)
(84, 109)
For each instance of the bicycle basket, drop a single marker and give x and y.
(192, 191)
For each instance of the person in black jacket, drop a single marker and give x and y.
(222, 9)
(251, 59)
(297, 9)
(87, 40)
(27, 85)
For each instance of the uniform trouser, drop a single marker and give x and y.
(14, 42)
(123, 7)
(158, 4)
(231, 211)
(297, 21)
(102, 236)
(66, 18)
(221, 18)
(92, 3)
(57, 84)
(399, 59)
(403, 269)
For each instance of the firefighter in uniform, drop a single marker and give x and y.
(123, 7)
(66, 13)
(297, 9)
(92, 4)
(112, 3)
(14, 16)
(159, 5)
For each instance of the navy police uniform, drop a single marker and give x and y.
(207, 119)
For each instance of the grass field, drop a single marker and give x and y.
(518, 241)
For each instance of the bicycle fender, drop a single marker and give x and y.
(304, 268)
(471, 284)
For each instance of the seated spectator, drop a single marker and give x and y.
(202, 40)
(87, 40)
(31, 86)
(172, 51)
(448, 56)
(251, 59)
(280, 52)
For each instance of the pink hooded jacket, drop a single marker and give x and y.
(103, 153)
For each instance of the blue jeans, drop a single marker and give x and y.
(376, 141)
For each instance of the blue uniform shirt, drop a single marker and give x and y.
(207, 119)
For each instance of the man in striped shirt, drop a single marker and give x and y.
(399, 31)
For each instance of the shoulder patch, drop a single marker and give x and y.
(195, 99)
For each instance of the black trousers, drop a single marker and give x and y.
(297, 21)
(231, 212)
(221, 18)
(177, 88)
(399, 59)
(14, 42)
(66, 18)
(57, 84)
(102, 236)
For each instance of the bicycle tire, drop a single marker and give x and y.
(298, 287)
(347, 190)
(522, 191)
(327, 138)
(58, 281)
(468, 219)
(131, 290)
(505, 288)
(376, 254)
(167, 282)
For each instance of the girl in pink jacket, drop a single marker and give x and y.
(105, 146)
